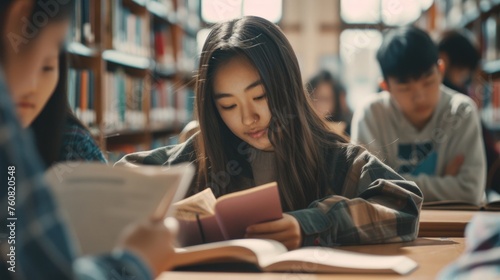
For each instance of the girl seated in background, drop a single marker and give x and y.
(328, 96)
(58, 134)
(257, 126)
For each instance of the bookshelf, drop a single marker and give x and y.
(482, 18)
(131, 68)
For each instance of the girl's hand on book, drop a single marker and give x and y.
(152, 241)
(285, 230)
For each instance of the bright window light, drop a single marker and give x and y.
(426, 4)
(201, 37)
(400, 12)
(213, 11)
(360, 11)
(270, 10)
(220, 10)
(361, 72)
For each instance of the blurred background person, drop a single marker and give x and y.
(461, 57)
(328, 96)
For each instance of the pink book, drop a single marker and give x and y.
(204, 219)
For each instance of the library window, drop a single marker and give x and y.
(388, 12)
(213, 11)
(358, 48)
(400, 12)
(351, 12)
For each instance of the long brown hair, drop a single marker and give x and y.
(298, 135)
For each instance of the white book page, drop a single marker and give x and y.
(202, 203)
(99, 201)
(315, 259)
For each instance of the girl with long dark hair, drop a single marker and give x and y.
(257, 125)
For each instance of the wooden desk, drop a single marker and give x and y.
(444, 223)
(432, 254)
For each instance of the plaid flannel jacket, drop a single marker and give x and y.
(365, 202)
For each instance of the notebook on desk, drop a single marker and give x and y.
(99, 201)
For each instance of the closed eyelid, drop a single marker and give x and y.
(228, 107)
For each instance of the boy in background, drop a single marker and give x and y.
(419, 127)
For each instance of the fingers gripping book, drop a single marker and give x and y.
(204, 219)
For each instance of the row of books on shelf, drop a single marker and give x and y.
(454, 11)
(188, 14)
(130, 31)
(191, 23)
(170, 105)
(165, 61)
(123, 100)
(487, 97)
(167, 4)
(83, 22)
(163, 46)
(480, 16)
(185, 104)
(188, 54)
(466, 8)
(132, 34)
(162, 103)
(81, 95)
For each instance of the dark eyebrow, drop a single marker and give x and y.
(249, 87)
(254, 84)
(222, 95)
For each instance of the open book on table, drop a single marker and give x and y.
(203, 218)
(272, 256)
(460, 205)
(99, 201)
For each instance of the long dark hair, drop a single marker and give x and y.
(49, 126)
(298, 135)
